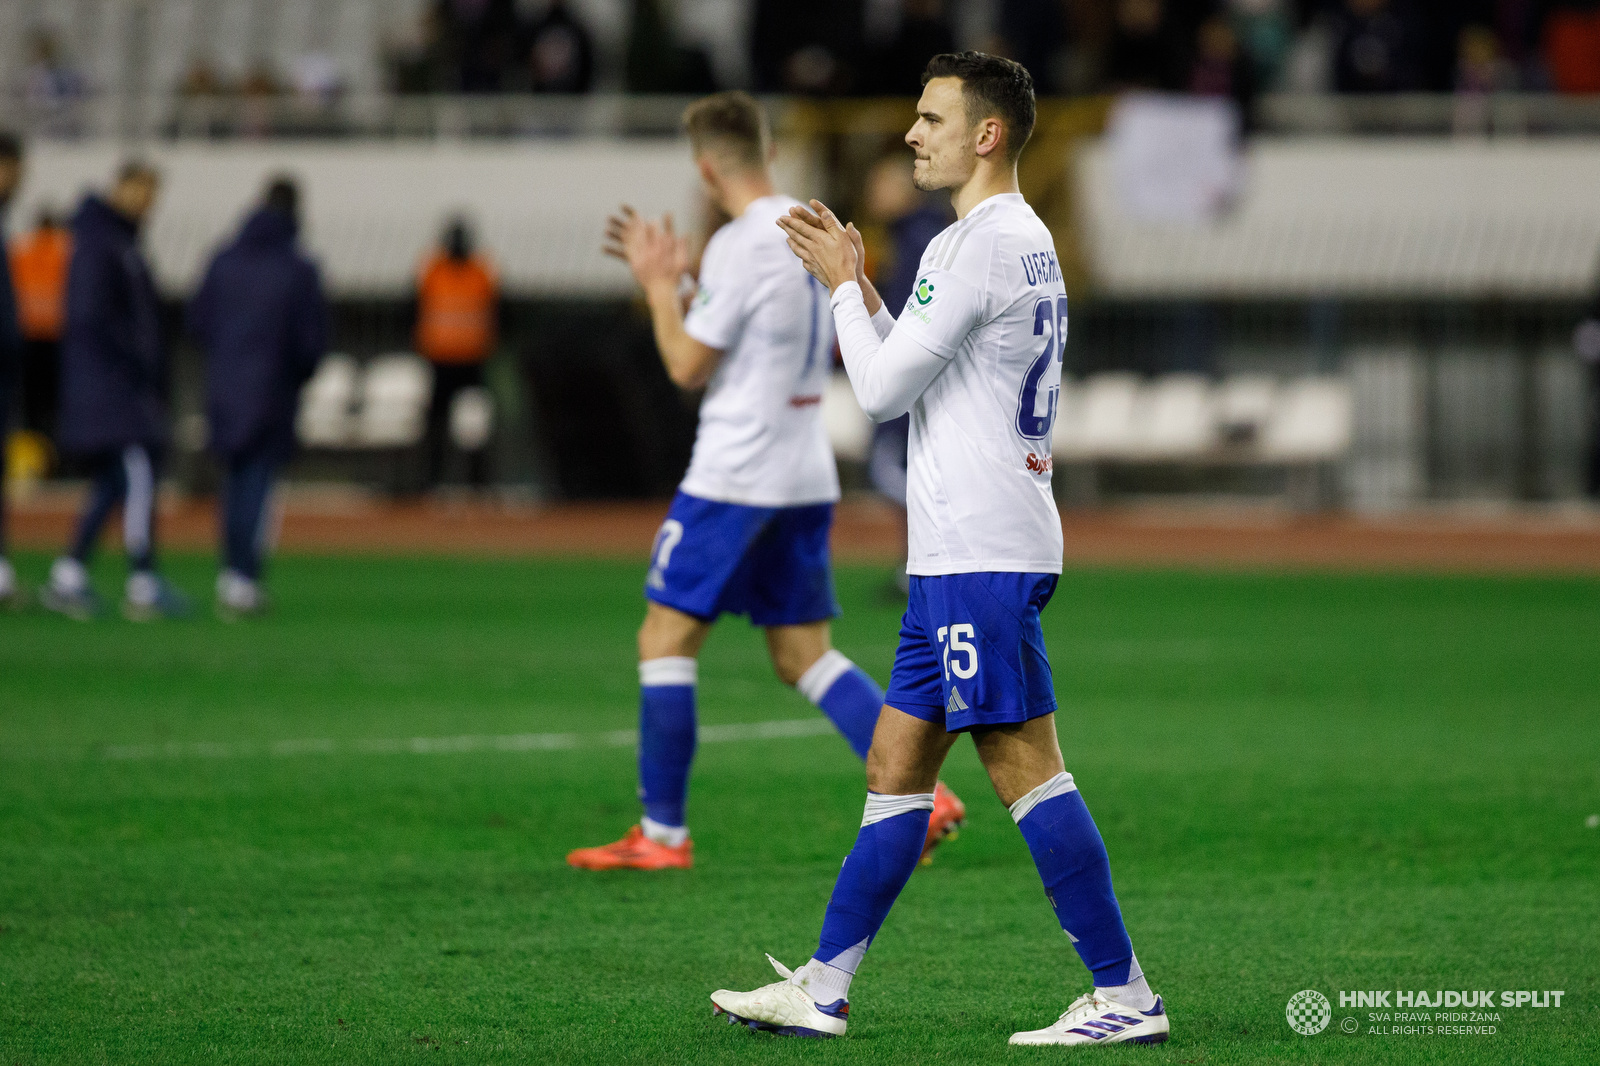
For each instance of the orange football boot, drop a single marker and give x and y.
(949, 815)
(635, 851)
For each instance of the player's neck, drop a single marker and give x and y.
(741, 190)
(985, 182)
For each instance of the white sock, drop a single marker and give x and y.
(824, 983)
(1136, 993)
(68, 575)
(672, 836)
(8, 578)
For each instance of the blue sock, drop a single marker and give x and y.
(1076, 872)
(845, 693)
(893, 830)
(666, 736)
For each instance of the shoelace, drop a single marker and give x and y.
(1088, 1002)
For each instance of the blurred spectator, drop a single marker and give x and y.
(484, 37)
(1265, 30)
(49, 82)
(656, 62)
(316, 78)
(1572, 47)
(1147, 50)
(39, 275)
(1034, 33)
(1221, 67)
(418, 60)
(260, 318)
(806, 48)
(895, 67)
(201, 80)
(457, 293)
(1376, 49)
(11, 594)
(560, 53)
(1480, 66)
(114, 379)
(258, 92)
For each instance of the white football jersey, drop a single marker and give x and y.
(990, 299)
(761, 439)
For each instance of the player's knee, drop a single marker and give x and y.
(889, 775)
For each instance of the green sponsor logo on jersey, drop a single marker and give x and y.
(924, 292)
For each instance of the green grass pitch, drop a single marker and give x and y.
(1305, 781)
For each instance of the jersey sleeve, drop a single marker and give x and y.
(717, 312)
(951, 296)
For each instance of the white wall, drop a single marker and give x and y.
(371, 211)
(1367, 217)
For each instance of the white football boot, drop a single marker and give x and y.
(782, 1007)
(1094, 1019)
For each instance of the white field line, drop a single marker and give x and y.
(513, 742)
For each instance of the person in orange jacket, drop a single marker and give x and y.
(457, 294)
(39, 276)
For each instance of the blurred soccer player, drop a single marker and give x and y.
(113, 397)
(11, 591)
(747, 532)
(975, 357)
(262, 321)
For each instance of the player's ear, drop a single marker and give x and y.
(990, 133)
(708, 170)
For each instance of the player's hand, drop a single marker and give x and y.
(654, 252)
(861, 254)
(829, 252)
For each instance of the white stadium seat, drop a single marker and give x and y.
(1244, 403)
(327, 404)
(1107, 426)
(1311, 423)
(849, 429)
(1175, 419)
(395, 391)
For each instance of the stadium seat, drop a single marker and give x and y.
(327, 416)
(1311, 423)
(1107, 410)
(395, 391)
(1174, 418)
(849, 429)
(471, 418)
(1243, 404)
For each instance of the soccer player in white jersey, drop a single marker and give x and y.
(748, 530)
(975, 356)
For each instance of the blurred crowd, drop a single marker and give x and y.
(1234, 48)
(870, 47)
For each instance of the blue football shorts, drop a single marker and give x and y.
(972, 650)
(770, 563)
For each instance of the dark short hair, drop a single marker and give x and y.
(10, 146)
(991, 87)
(283, 194)
(730, 123)
(137, 170)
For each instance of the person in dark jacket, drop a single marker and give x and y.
(261, 319)
(113, 397)
(11, 593)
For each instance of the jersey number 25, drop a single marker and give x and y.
(1049, 321)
